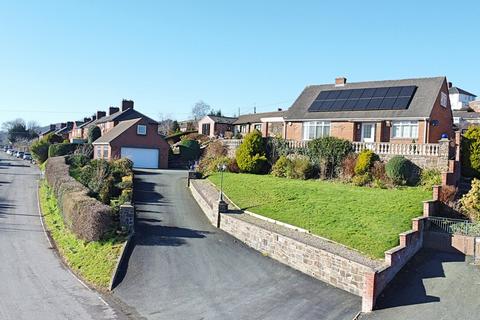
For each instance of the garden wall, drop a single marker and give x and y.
(321, 258)
(85, 216)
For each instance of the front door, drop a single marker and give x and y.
(368, 132)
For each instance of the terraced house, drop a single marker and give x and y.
(396, 111)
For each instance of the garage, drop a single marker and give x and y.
(142, 158)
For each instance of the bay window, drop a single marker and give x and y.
(405, 129)
(316, 129)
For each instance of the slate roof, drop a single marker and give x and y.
(420, 107)
(125, 115)
(459, 90)
(226, 120)
(466, 114)
(116, 131)
(255, 117)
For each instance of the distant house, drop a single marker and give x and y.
(214, 126)
(270, 124)
(459, 98)
(467, 117)
(398, 111)
(50, 129)
(136, 139)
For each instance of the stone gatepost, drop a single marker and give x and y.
(443, 153)
(127, 217)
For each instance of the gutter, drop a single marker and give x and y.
(357, 119)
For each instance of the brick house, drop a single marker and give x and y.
(137, 139)
(215, 126)
(270, 124)
(396, 111)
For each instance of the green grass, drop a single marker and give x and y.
(93, 261)
(363, 218)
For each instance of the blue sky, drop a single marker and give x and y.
(62, 60)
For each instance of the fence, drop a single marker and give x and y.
(454, 226)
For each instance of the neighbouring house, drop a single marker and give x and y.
(459, 98)
(95, 119)
(215, 126)
(50, 129)
(463, 119)
(136, 139)
(65, 130)
(396, 111)
(187, 125)
(270, 124)
(76, 135)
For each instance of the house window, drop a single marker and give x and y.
(105, 152)
(405, 129)
(316, 129)
(142, 129)
(206, 129)
(258, 126)
(443, 99)
(99, 152)
(243, 128)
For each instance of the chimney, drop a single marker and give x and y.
(450, 85)
(340, 81)
(94, 117)
(112, 110)
(86, 119)
(63, 125)
(279, 109)
(53, 127)
(127, 104)
(101, 114)
(70, 124)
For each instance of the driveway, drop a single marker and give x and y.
(433, 286)
(181, 267)
(33, 282)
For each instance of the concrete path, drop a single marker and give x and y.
(432, 286)
(33, 282)
(183, 268)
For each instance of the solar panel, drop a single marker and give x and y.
(382, 98)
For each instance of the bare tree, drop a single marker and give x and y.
(200, 110)
(165, 124)
(34, 127)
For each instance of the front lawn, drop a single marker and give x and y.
(363, 218)
(94, 261)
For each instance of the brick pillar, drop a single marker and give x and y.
(127, 217)
(458, 141)
(429, 208)
(436, 192)
(368, 299)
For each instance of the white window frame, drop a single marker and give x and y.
(142, 130)
(404, 129)
(316, 129)
(443, 99)
(255, 126)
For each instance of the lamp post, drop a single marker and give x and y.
(222, 205)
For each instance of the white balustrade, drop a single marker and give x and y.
(420, 149)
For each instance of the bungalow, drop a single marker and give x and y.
(398, 111)
(137, 139)
(215, 126)
(270, 124)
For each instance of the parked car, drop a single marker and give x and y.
(27, 156)
(10, 152)
(19, 154)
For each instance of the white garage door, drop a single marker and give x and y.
(142, 158)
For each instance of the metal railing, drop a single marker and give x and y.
(421, 149)
(454, 226)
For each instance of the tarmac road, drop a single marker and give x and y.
(34, 284)
(181, 267)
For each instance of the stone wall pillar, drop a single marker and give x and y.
(127, 217)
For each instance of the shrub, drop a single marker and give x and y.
(61, 149)
(215, 149)
(213, 164)
(378, 172)
(299, 167)
(365, 162)
(232, 166)
(122, 167)
(39, 150)
(277, 147)
(471, 152)
(250, 155)
(189, 149)
(430, 178)
(279, 169)
(78, 160)
(471, 201)
(52, 138)
(348, 166)
(401, 171)
(94, 133)
(447, 194)
(329, 152)
(362, 179)
(107, 190)
(126, 183)
(201, 138)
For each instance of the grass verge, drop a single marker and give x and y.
(93, 261)
(363, 218)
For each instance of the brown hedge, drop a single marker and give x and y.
(85, 216)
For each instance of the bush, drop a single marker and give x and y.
(348, 166)
(471, 152)
(299, 167)
(94, 133)
(430, 178)
(78, 160)
(107, 190)
(471, 201)
(39, 150)
(277, 147)
(250, 155)
(232, 166)
(213, 164)
(401, 171)
(52, 138)
(189, 149)
(122, 167)
(328, 153)
(362, 179)
(378, 172)
(365, 162)
(61, 149)
(214, 150)
(280, 167)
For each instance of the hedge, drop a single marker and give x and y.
(86, 217)
(61, 149)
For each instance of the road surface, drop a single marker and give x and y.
(34, 284)
(183, 268)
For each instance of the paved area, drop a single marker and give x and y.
(433, 286)
(33, 282)
(181, 267)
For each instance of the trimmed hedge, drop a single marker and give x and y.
(61, 149)
(189, 149)
(87, 217)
